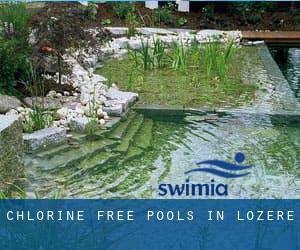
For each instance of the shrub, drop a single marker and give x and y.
(297, 19)
(132, 23)
(182, 21)
(105, 22)
(14, 45)
(254, 19)
(122, 9)
(164, 15)
(13, 64)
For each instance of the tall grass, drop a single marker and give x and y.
(39, 117)
(159, 53)
(216, 58)
(14, 18)
(195, 52)
(179, 58)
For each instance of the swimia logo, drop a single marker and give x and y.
(215, 167)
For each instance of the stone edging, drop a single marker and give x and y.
(285, 93)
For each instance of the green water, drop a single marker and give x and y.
(288, 60)
(140, 153)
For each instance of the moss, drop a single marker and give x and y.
(193, 88)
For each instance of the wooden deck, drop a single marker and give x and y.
(275, 37)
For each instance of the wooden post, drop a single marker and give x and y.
(184, 5)
(151, 4)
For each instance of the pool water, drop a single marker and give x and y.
(288, 60)
(144, 151)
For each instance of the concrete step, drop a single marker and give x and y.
(143, 137)
(128, 138)
(72, 157)
(120, 130)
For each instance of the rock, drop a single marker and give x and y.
(79, 110)
(62, 113)
(11, 151)
(100, 113)
(117, 30)
(12, 112)
(122, 42)
(121, 97)
(78, 124)
(47, 102)
(85, 97)
(20, 109)
(135, 44)
(44, 138)
(151, 31)
(51, 93)
(115, 110)
(102, 121)
(7, 103)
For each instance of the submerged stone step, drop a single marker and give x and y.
(144, 136)
(128, 138)
(73, 157)
(122, 128)
(92, 163)
(51, 152)
(132, 153)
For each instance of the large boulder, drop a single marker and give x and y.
(11, 152)
(44, 137)
(48, 103)
(8, 102)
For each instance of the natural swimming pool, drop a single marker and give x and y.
(138, 154)
(144, 151)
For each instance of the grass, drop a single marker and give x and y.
(194, 77)
(39, 117)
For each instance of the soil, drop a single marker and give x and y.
(221, 18)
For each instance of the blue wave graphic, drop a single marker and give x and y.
(225, 165)
(217, 172)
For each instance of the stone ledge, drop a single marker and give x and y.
(44, 137)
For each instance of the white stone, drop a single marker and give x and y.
(12, 112)
(62, 113)
(51, 93)
(20, 109)
(102, 121)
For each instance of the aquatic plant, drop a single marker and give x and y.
(130, 79)
(39, 117)
(131, 21)
(92, 126)
(146, 55)
(179, 58)
(159, 53)
(216, 58)
(194, 52)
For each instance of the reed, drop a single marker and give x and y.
(180, 57)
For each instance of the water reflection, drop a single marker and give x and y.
(288, 60)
